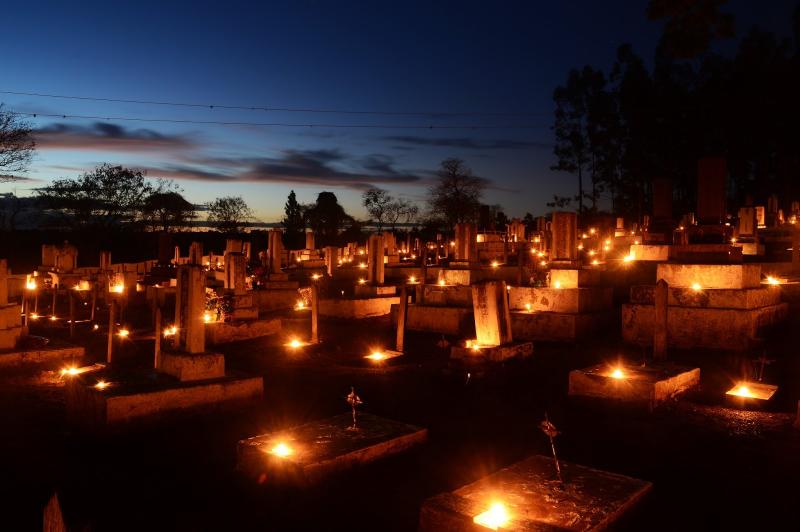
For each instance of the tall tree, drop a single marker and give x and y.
(16, 145)
(691, 25)
(455, 195)
(326, 217)
(293, 225)
(377, 201)
(167, 210)
(106, 197)
(229, 214)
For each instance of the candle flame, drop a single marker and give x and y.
(124, 333)
(773, 280)
(101, 385)
(376, 356)
(617, 374)
(281, 450)
(696, 287)
(170, 331)
(742, 391)
(495, 517)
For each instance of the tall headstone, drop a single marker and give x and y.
(375, 260)
(196, 253)
(466, 242)
(564, 231)
(516, 231)
(66, 258)
(712, 173)
(310, 240)
(233, 245)
(235, 272)
(761, 216)
(190, 302)
(275, 250)
(105, 261)
(492, 315)
(748, 225)
(331, 259)
(176, 256)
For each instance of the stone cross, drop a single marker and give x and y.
(375, 260)
(492, 315)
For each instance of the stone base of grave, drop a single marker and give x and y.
(750, 248)
(235, 331)
(147, 396)
(462, 276)
(734, 329)
(10, 326)
(711, 276)
(758, 395)
(48, 354)
(366, 290)
(449, 296)
(280, 285)
(534, 499)
(497, 353)
(187, 367)
(278, 299)
(454, 321)
(357, 308)
(323, 448)
(650, 252)
(558, 326)
(647, 385)
(567, 300)
(575, 277)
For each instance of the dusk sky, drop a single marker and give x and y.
(406, 57)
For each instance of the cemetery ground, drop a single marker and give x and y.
(712, 466)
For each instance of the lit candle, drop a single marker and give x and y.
(281, 450)
(617, 374)
(495, 517)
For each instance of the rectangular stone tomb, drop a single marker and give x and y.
(223, 332)
(711, 275)
(456, 321)
(357, 308)
(103, 399)
(366, 290)
(651, 385)
(752, 392)
(46, 354)
(307, 454)
(497, 353)
(528, 497)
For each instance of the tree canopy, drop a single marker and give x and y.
(456, 194)
(16, 145)
(229, 214)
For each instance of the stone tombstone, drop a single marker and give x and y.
(66, 259)
(165, 250)
(48, 255)
(3, 282)
(233, 245)
(564, 231)
(712, 173)
(466, 242)
(772, 204)
(105, 261)
(196, 253)
(310, 240)
(190, 304)
(247, 250)
(389, 242)
(662, 199)
(176, 256)
(375, 260)
(276, 250)
(331, 259)
(761, 216)
(541, 224)
(492, 315)
(516, 230)
(236, 272)
(748, 224)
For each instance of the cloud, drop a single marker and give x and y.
(467, 143)
(104, 136)
(328, 168)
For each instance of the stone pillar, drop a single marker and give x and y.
(564, 230)
(314, 313)
(402, 312)
(310, 240)
(660, 321)
(711, 190)
(492, 315)
(235, 272)
(176, 257)
(466, 242)
(165, 251)
(190, 303)
(275, 250)
(105, 261)
(375, 260)
(331, 258)
(247, 250)
(196, 253)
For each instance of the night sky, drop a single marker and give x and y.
(476, 57)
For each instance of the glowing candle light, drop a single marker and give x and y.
(316, 276)
(696, 287)
(294, 343)
(617, 374)
(557, 284)
(362, 281)
(34, 316)
(207, 318)
(595, 262)
(300, 305)
(281, 450)
(123, 333)
(773, 281)
(30, 284)
(101, 385)
(495, 264)
(528, 307)
(117, 288)
(629, 258)
(362, 265)
(495, 517)
(742, 391)
(441, 282)
(412, 279)
(377, 356)
(53, 318)
(170, 331)
(71, 371)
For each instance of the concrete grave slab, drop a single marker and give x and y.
(651, 385)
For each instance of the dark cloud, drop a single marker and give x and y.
(467, 143)
(105, 136)
(329, 168)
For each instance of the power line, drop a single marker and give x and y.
(279, 124)
(270, 108)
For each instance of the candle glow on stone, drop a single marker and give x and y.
(101, 385)
(742, 390)
(495, 517)
(281, 450)
(376, 356)
(696, 287)
(617, 374)
(773, 281)
(123, 333)
(170, 331)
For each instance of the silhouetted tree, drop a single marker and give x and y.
(326, 217)
(456, 194)
(167, 210)
(293, 225)
(377, 201)
(16, 144)
(229, 214)
(691, 25)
